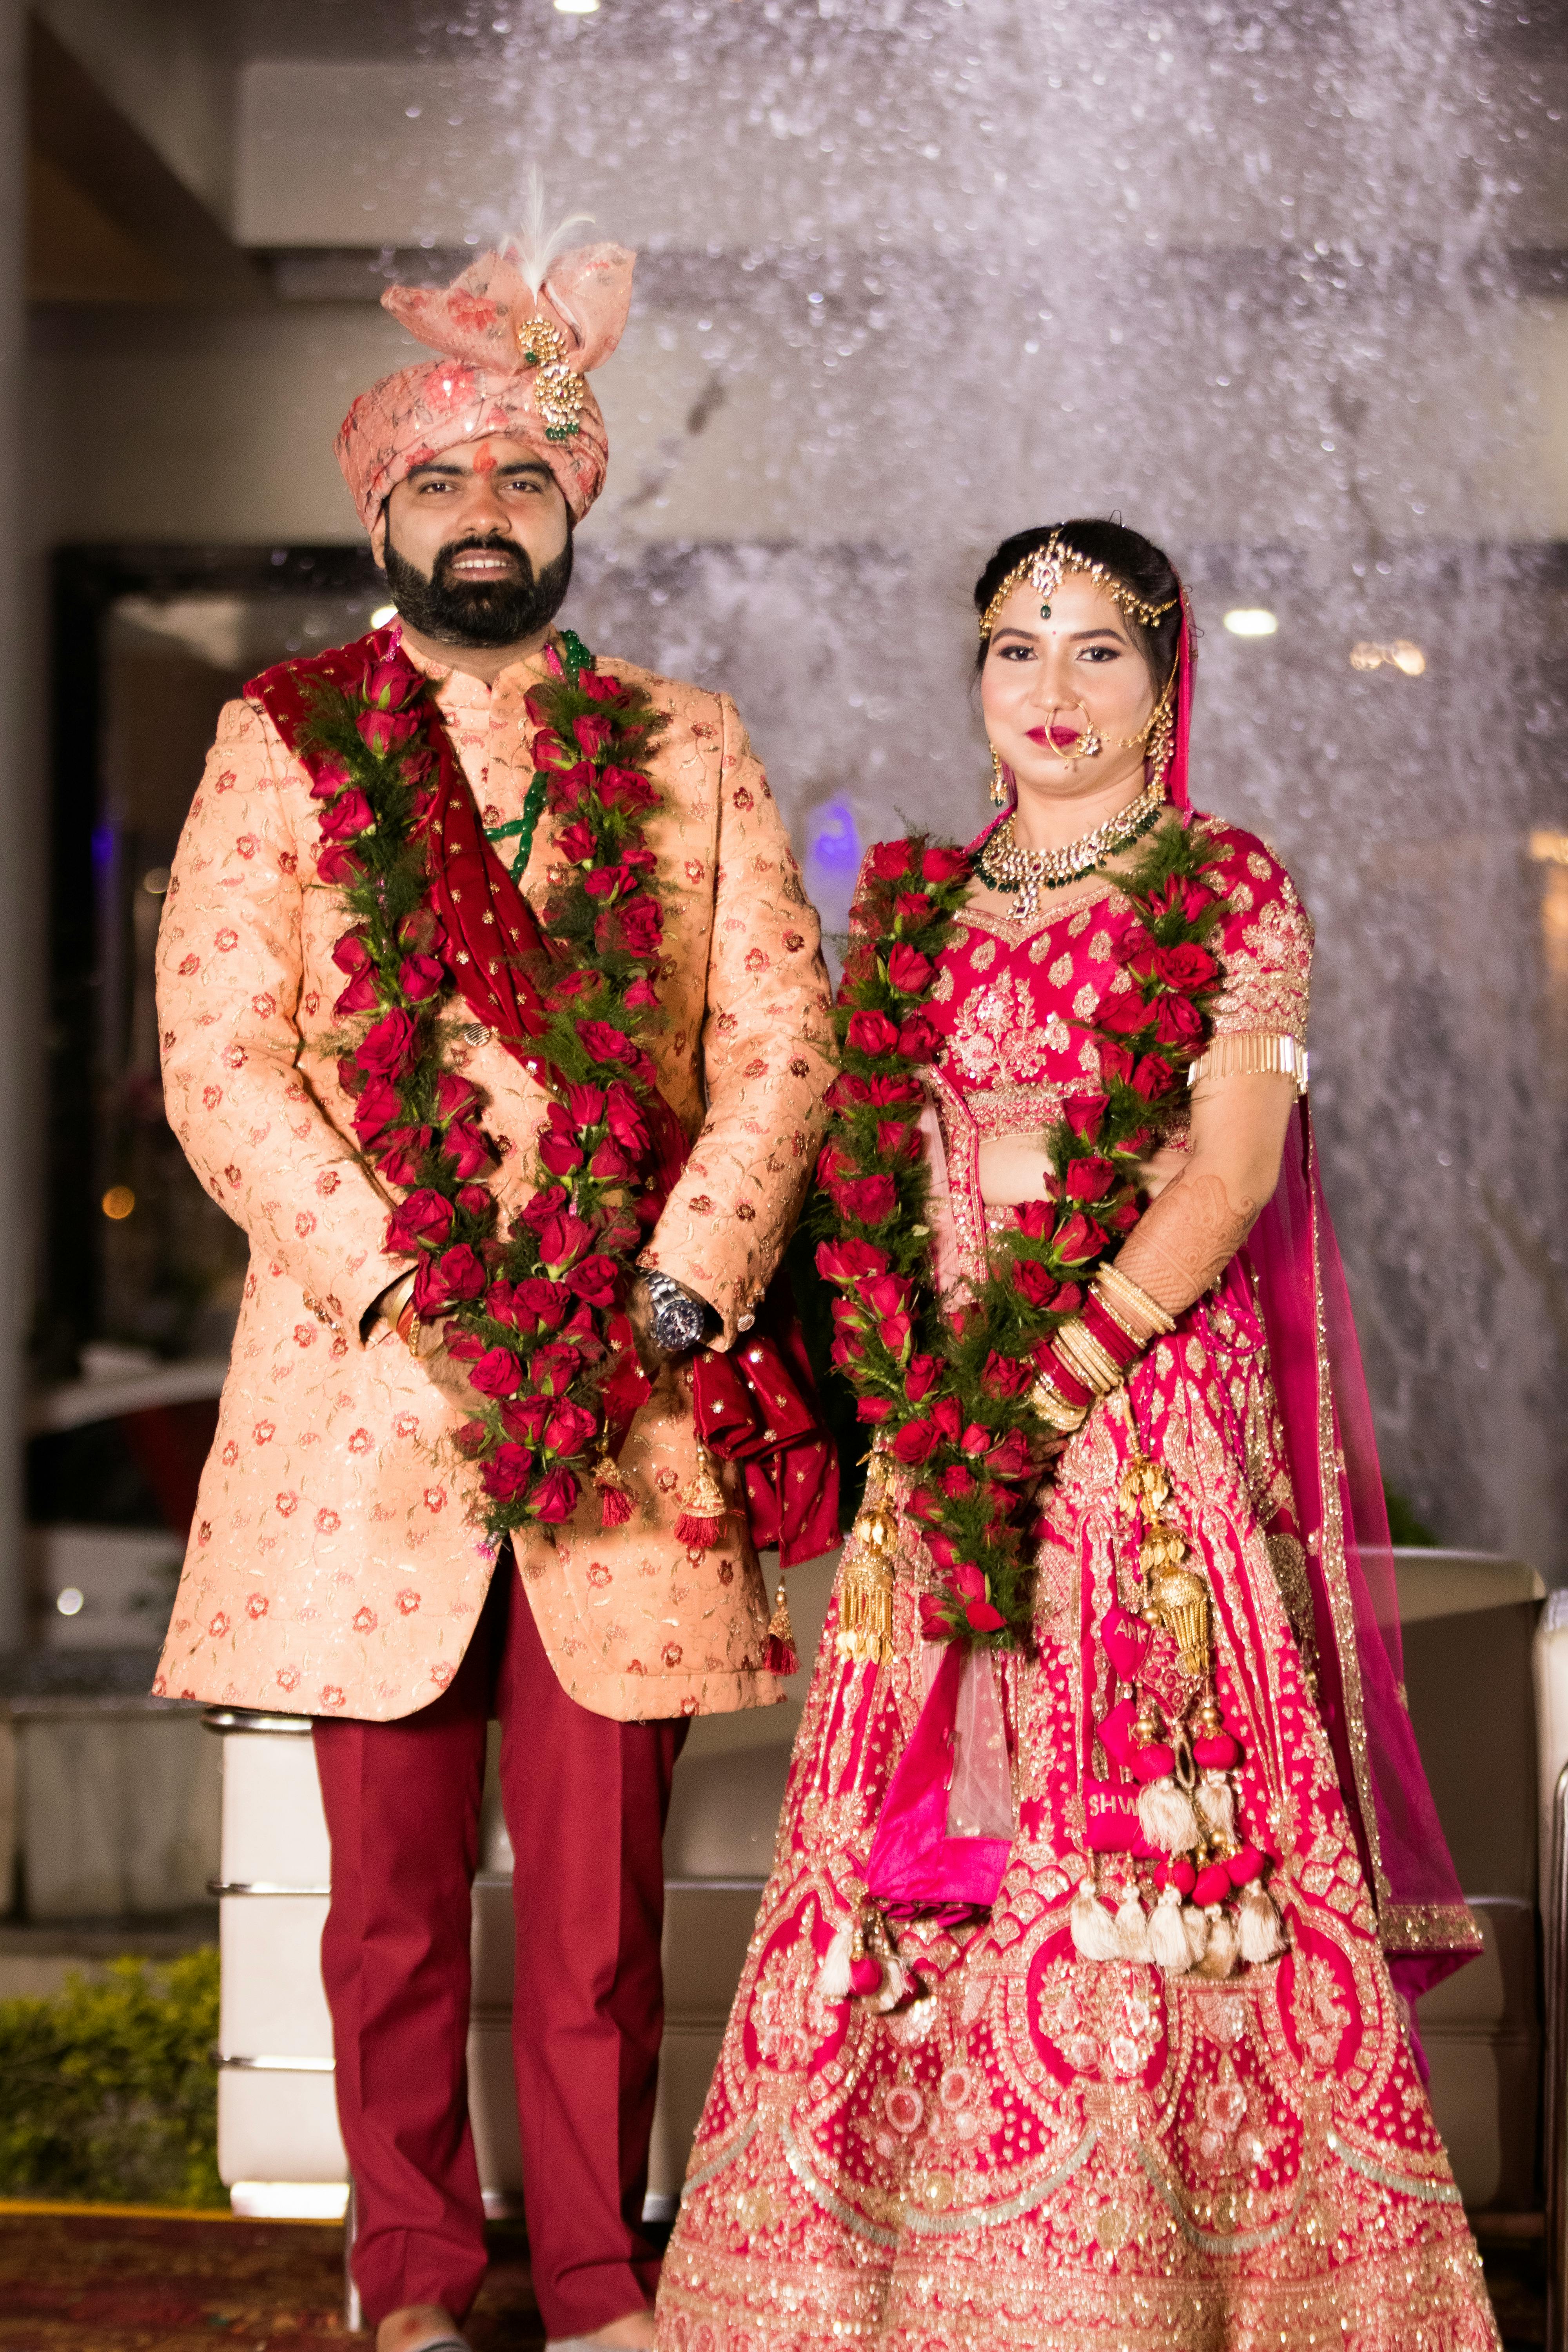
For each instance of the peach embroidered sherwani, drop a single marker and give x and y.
(336, 1564)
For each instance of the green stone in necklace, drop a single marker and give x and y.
(1006, 867)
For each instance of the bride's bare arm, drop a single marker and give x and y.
(1188, 1237)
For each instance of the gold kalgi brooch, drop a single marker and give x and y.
(559, 391)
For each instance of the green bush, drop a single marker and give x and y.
(1404, 1526)
(109, 2093)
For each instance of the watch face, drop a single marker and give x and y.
(677, 1323)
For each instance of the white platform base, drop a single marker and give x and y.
(289, 2201)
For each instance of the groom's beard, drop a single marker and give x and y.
(479, 612)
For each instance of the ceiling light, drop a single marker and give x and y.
(1549, 848)
(382, 616)
(1400, 655)
(576, 7)
(1251, 621)
(117, 1203)
(69, 1601)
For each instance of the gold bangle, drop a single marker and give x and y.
(1122, 1298)
(394, 1301)
(1082, 1353)
(396, 1296)
(1121, 1319)
(1054, 1409)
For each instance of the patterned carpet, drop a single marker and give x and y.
(84, 2281)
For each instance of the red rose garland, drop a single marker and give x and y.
(528, 1311)
(951, 1395)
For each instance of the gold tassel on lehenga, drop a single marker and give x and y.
(1175, 1595)
(865, 1634)
(1187, 1798)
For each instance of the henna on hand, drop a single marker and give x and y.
(1185, 1241)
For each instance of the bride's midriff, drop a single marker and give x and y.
(1013, 1167)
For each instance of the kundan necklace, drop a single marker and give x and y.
(1004, 865)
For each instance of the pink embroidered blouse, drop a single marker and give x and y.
(1016, 1003)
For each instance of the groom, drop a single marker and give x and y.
(338, 1565)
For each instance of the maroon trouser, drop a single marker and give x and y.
(585, 1800)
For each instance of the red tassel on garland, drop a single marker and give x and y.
(614, 1493)
(781, 1657)
(703, 1508)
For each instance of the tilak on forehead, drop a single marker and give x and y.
(514, 344)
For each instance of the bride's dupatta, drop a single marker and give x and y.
(1315, 1361)
(916, 1863)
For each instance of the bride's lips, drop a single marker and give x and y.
(1056, 738)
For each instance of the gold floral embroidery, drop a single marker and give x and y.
(997, 1035)
(1034, 2149)
(1267, 975)
(1009, 1109)
(1288, 1562)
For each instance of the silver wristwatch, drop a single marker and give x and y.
(680, 1322)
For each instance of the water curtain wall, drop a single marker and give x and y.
(1284, 285)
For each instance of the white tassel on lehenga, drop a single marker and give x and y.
(1131, 1926)
(1169, 1947)
(1260, 1937)
(833, 1977)
(1094, 1931)
(1166, 1818)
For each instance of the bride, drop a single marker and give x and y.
(1078, 2008)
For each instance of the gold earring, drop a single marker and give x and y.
(999, 778)
(1162, 733)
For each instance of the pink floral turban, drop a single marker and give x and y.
(511, 362)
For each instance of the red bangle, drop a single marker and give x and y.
(1067, 1385)
(1119, 1345)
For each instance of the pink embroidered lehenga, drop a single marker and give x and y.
(1033, 2149)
